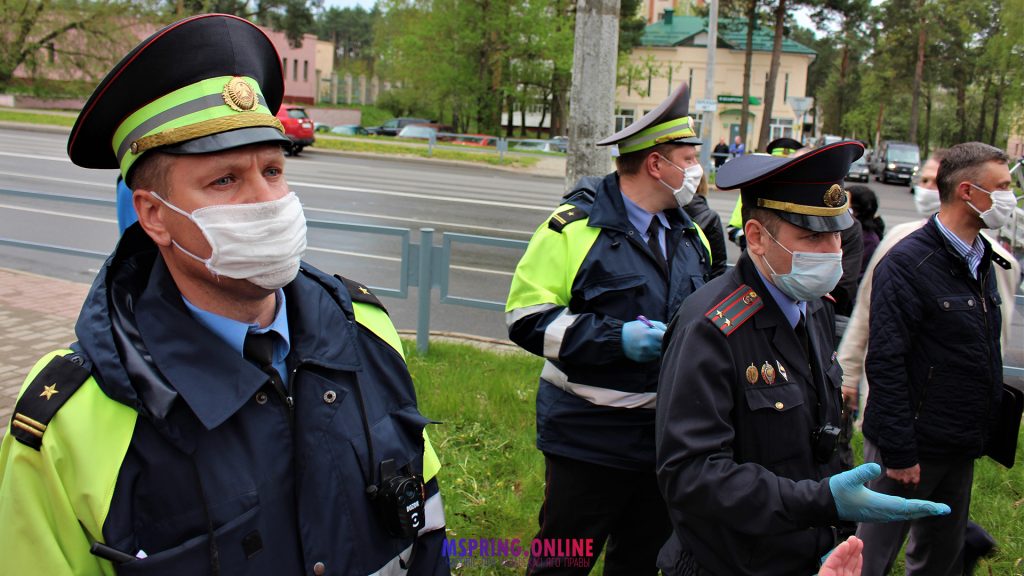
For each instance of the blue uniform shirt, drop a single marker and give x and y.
(233, 332)
(792, 309)
(641, 220)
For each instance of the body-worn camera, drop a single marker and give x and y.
(824, 442)
(399, 500)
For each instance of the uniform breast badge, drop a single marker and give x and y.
(782, 371)
(752, 373)
(768, 373)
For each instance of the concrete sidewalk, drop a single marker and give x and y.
(37, 316)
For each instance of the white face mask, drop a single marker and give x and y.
(1001, 211)
(691, 179)
(261, 242)
(926, 200)
(812, 275)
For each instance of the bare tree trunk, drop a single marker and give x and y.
(961, 109)
(1000, 86)
(510, 128)
(918, 71)
(979, 132)
(928, 122)
(748, 59)
(844, 66)
(592, 98)
(773, 74)
(878, 125)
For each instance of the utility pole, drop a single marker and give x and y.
(592, 96)
(708, 116)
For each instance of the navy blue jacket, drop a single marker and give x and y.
(594, 404)
(222, 472)
(934, 365)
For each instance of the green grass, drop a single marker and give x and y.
(373, 146)
(37, 118)
(493, 475)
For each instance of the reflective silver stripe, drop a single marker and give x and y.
(596, 394)
(394, 566)
(519, 313)
(555, 333)
(434, 509)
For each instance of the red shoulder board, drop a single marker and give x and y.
(737, 308)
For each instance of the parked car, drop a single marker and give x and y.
(298, 127)
(476, 140)
(561, 142)
(898, 161)
(441, 132)
(321, 127)
(859, 170)
(349, 130)
(394, 126)
(536, 146)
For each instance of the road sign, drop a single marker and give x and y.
(706, 106)
(800, 105)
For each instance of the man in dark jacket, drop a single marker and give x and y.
(711, 223)
(934, 363)
(592, 295)
(748, 399)
(227, 409)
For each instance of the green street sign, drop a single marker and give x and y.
(726, 99)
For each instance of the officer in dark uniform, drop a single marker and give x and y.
(227, 409)
(592, 294)
(749, 395)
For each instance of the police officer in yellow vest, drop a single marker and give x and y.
(592, 294)
(749, 398)
(227, 409)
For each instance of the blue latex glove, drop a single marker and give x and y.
(856, 503)
(640, 342)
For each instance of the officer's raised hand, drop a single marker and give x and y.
(641, 340)
(856, 503)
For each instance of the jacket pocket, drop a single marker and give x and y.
(397, 436)
(776, 427)
(600, 287)
(958, 303)
(193, 556)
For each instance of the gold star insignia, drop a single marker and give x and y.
(364, 290)
(728, 322)
(718, 314)
(49, 391)
(569, 213)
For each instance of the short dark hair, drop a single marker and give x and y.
(938, 154)
(963, 163)
(151, 173)
(768, 218)
(631, 163)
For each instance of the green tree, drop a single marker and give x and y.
(293, 17)
(70, 38)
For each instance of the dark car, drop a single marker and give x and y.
(298, 127)
(394, 126)
(896, 161)
(349, 130)
(859, 170)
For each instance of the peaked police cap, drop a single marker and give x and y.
(203, 84)
(668, 123)
(806, 191)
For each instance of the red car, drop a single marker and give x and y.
(298, 127)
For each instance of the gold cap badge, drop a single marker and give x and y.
(835, 197)
(240, 96)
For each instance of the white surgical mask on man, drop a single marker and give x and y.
(812, 275)
(926, 200)
(1001, 211)
(261, 242)
(691, 179)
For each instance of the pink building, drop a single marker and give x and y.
(298, 65)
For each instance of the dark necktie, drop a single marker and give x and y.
(259, 349)
(801, 335)
(655, 244)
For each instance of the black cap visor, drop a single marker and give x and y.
(818, 223)
(228, 140)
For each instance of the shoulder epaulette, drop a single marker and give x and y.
(50, 389)
(564, 217)
(360, 293)
(830, 298)
(735, 309)
(1002, 262)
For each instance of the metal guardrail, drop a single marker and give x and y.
(424, 269)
